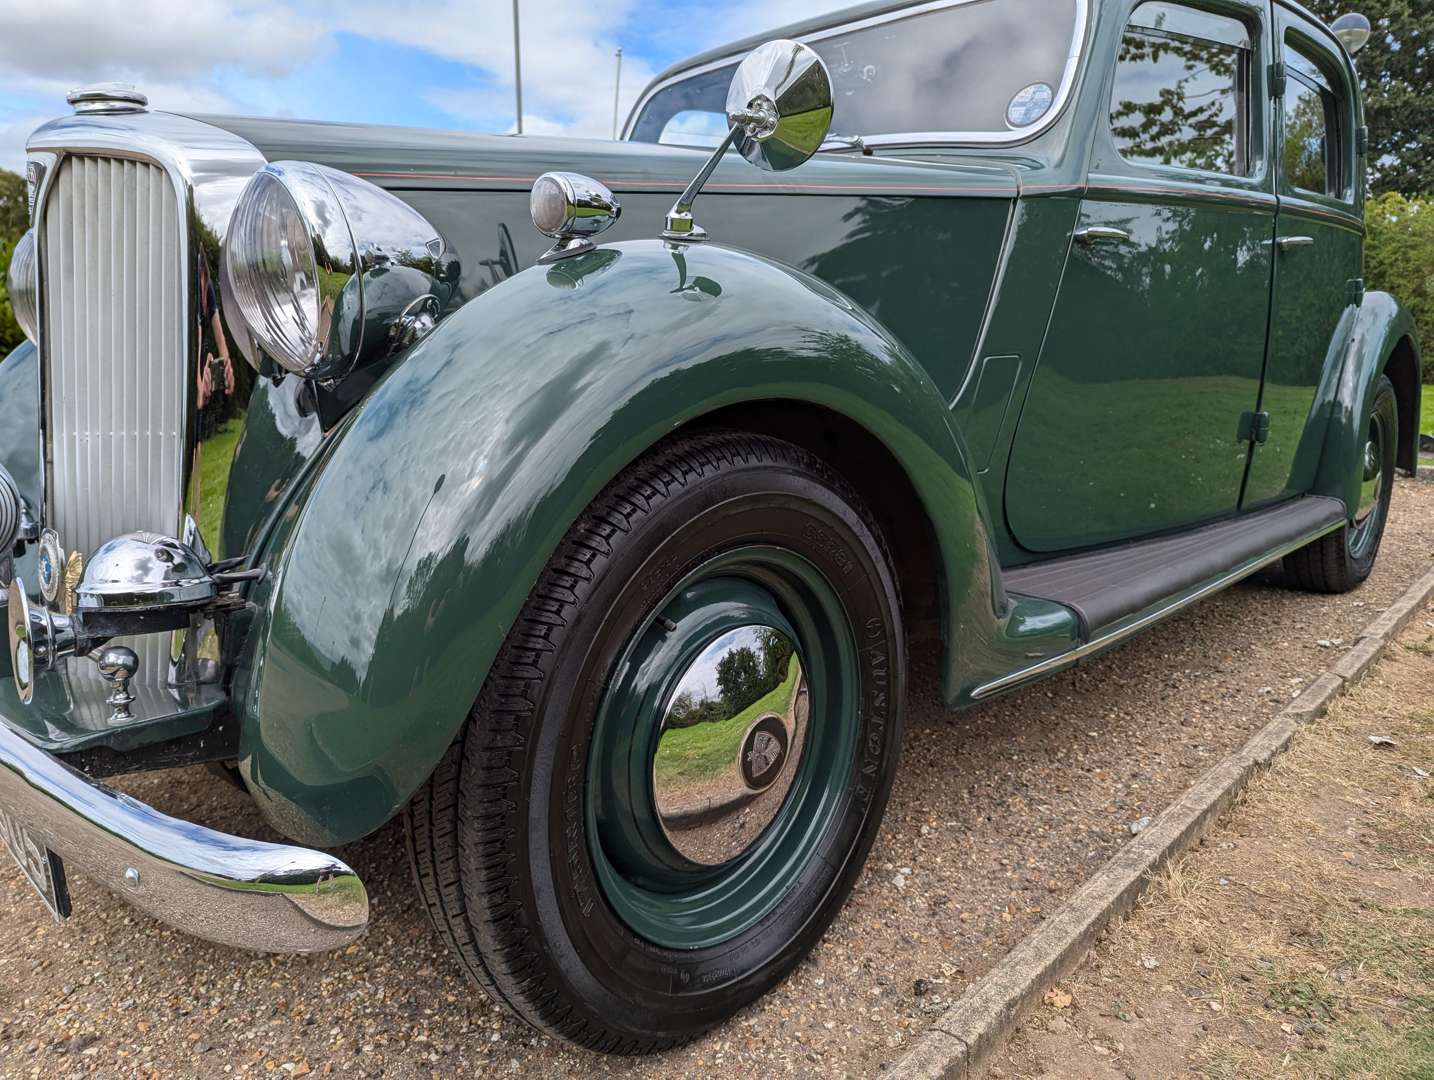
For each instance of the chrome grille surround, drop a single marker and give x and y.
(125, 326)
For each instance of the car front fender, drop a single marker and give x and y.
(1381, 325)
(399, 570)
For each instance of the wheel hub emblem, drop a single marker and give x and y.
(764, 752)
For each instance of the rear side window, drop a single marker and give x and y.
(1182, 90)
(1313, 150)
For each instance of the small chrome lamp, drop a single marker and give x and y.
(571, 208)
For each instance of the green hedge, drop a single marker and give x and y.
(1399, 258)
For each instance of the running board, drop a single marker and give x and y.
(1117, 592)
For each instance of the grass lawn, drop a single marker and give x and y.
(703, 750)
(1426, 419)
(214, 462)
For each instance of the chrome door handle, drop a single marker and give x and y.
(1095, 234)
(1289, 243)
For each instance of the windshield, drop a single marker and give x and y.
(983, 69)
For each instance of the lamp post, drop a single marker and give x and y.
(517, 67)
(616, 92)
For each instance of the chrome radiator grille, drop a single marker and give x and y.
(114, 366)
(115, 378)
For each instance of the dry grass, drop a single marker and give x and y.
(1298, 941)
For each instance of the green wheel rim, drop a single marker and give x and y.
(660, 893)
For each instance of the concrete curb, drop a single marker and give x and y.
(983, 1017)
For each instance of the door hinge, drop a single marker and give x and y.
(1356, 291)
(1361, 140)
(1254, 427)
(1277, 79)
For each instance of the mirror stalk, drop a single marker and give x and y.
(680, 223)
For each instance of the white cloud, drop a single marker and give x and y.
(158, 40)
(568, 56)
(177, 51)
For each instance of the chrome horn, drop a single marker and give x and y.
(779, 108)
(139, 583)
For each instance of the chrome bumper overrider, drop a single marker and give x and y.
(244, 893)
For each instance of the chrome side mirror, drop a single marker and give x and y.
(1353, 31)
(780, 105)
(779, 108)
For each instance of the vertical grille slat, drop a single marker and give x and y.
(115, 373)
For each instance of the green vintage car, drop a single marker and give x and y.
(577, 501)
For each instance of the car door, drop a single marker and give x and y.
(1154, 352)
(1318, 253)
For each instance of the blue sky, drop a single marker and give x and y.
(432, 63)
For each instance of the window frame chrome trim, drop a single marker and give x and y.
(1080, 47)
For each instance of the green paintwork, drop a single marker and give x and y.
(1042, 397)
(663, 896)
(1347, 399)
(1130, 423)
(470, 461)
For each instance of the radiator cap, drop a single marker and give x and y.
(108, 97)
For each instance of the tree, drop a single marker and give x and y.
(776, 658)
(1396, 69)
(14, 220)
(1399, 257)
(739, 677)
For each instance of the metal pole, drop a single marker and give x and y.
(616, 93)
(517, 67)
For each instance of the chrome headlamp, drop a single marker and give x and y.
(327, 271)
(570, 207)
(23, 284)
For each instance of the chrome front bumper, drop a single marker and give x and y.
(244, 893)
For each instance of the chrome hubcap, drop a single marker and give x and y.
(733, 732)
(1373, 473)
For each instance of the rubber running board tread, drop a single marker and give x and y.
(1113, 583)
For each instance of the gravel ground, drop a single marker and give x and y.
(998, 813)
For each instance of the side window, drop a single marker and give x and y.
(694, 128)
(1182, 90)
(1314, 152)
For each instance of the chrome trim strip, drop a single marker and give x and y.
(914, 138)
(1151, 616)
(227, 889)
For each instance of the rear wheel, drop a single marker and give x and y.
(680, 758)
(1341, 560)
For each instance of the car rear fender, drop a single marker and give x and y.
(1382, 340)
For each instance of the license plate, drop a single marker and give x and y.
(43, 868)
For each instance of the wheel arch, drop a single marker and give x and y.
(1382, 341)
(866, 463)
(1403, 371)
(396, 574)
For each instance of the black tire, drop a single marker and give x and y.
(1341, 560)
(505, 865)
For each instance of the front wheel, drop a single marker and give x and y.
(681, 755)
(1341, 560)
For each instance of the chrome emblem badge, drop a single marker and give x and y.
(51, 565)
(764, 752)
